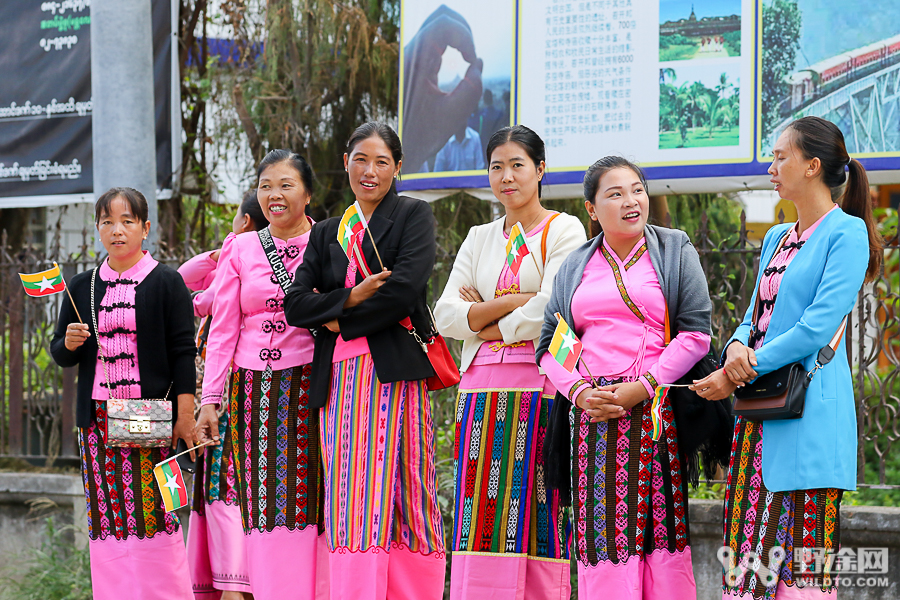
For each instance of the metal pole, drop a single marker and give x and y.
(124, 133)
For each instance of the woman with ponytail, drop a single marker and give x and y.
(786, 477)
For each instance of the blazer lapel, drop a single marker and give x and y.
(380, 224)
(339, 262)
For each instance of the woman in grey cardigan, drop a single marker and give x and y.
(618, 293)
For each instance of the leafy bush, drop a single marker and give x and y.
(56, 571)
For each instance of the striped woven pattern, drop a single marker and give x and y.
(274, 440)
(122, 497)
(378, 457)
(501, 504)
(628, 494)
(758, 520)
(214, 479)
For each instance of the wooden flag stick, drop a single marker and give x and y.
(593, 381)
(375, 247)
(207, 443)
(68, 293)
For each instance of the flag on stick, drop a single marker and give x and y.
(565, 345)
(516, 248)
(171, 484)
(351, 224)
(45, 283)
(656, 410)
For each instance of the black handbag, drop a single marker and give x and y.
(780, 394)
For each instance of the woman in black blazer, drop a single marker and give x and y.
(382, 519)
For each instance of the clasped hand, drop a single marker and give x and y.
(359, 294)
(738, 371)
(611, 401)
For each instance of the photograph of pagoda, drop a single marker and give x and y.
(699, 29)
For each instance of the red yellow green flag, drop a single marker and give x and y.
(44, 283)
(565, 345)
(351, 223)
(516, 248)
(656, 410)
(171, 484)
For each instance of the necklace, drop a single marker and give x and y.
(527, 227)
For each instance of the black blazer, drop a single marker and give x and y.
(165, 337)
(403, 229)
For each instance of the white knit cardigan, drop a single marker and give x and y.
(479, 263)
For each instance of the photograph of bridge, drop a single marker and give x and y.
(699, 29)
(851, 79)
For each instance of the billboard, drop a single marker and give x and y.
(46, 106)
(696, 91)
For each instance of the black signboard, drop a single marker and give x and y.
(45, 98)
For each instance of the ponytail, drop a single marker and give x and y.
(856, 202)
(822, 139)
(595, 228)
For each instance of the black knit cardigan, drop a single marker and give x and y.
(165, 337)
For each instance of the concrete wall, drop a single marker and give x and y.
(861, 527)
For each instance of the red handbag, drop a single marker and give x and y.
(446, 373)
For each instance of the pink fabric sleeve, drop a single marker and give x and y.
(567, 383)
(677, 358)
(198, 272)
(226, 326)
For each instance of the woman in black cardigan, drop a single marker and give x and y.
(382, 520)
(146, 325)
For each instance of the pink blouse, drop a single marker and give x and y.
(117, 334)
(519, 369)
(198, 274)
(249, 326)
(771, 278)
(619, 315)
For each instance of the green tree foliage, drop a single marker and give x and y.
(781, 21)
(692, 104)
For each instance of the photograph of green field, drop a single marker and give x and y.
(699, 106)
(699, 30)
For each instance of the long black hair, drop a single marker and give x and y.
(816, 137)
(135, 200)
(599, 169)
(523, 136)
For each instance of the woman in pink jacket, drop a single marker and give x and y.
(260, 365)
(215, 543)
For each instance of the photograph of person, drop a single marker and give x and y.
(457, 69)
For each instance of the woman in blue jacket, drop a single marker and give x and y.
(786, 477)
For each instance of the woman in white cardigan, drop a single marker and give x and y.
(508, 531)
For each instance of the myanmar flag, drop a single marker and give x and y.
(565, 345)
(351, 224)
(516, 248)
(656, 410)
(44, 283)
(171, 484)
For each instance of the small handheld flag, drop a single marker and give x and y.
(565, 345)
(351, 224)
(656, 410)
(171, 484)
(516, 248)
(45, 283)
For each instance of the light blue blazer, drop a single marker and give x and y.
(818, 288)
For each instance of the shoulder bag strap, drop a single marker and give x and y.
(271, 252)
(544, 238)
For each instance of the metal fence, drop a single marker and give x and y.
(37, 408)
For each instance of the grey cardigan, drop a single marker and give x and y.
(677, 266)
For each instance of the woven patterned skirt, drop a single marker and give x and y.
(502, 505)
(510, 535)
(382, 519)
(630, 502)
(274, 436)
(215, 542)
(774, 525)
(129, 529)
